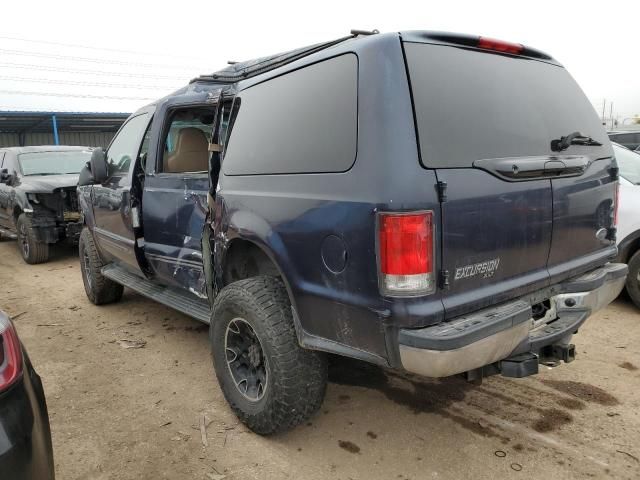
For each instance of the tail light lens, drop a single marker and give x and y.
(10, 353)
(499, 45)
(406, 253)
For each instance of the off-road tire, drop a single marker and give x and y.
(297, 378)
(633, 279)
(32, 251)
(99, 289)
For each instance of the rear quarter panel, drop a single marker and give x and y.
(293, 216)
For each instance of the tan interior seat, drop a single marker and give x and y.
(191, 153)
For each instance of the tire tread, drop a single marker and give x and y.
(300, 375)
(104, 290)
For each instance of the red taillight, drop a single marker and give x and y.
(499, 45)
(406, 251)
(10, 353)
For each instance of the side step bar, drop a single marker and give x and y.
(175, 298)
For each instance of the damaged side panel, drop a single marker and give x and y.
(175, 207)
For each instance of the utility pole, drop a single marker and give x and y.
(611, 114)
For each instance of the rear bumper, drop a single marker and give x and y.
(486, 337)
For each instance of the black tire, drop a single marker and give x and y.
(633, 279)
(32, 251)
(99, 289)
(295, 378)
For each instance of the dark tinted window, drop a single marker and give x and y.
(623, 137)
(302, 122)
(472, 105)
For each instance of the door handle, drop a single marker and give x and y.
(530, 168)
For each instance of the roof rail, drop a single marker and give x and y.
(250, 68)
(355, 33)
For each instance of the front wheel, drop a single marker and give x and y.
(99, 289)
(271, 383)
(32, 250)
(633, 279)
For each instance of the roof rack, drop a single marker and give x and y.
(237, 71)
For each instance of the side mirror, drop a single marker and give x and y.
(96, 171)
(5, 177)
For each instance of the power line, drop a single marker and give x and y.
(56, 56)
(72, 95)
(7, 108)
(88, 47)
(87, 84)
(47, 68)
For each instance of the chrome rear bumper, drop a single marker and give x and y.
(483, 338)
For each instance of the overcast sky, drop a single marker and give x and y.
(118, 55)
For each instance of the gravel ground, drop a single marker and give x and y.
(136, 413)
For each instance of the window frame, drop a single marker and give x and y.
(167, 121)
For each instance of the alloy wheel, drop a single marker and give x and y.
(245, 360)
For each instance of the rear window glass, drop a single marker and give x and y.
(472, 105)
(305, 121)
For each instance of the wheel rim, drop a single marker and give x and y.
(245, 360)
(86, 264)
(24, 240)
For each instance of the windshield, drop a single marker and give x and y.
(53, 163)
(472, 105)
(628, 163)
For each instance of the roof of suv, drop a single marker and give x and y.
(44, 148)
(250, 68)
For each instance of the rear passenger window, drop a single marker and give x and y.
(305, 121)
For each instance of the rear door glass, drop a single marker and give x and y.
(473, 105)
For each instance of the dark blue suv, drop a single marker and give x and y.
(439, 203)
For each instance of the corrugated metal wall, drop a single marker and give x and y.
(9, 140)
(88, 139)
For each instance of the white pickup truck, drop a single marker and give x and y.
(629, 217)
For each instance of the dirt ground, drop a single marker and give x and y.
(135, 413)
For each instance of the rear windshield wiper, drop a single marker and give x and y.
(575, 138)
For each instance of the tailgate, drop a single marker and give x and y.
(582, 218)
(518, 201)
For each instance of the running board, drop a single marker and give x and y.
(175, 298)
